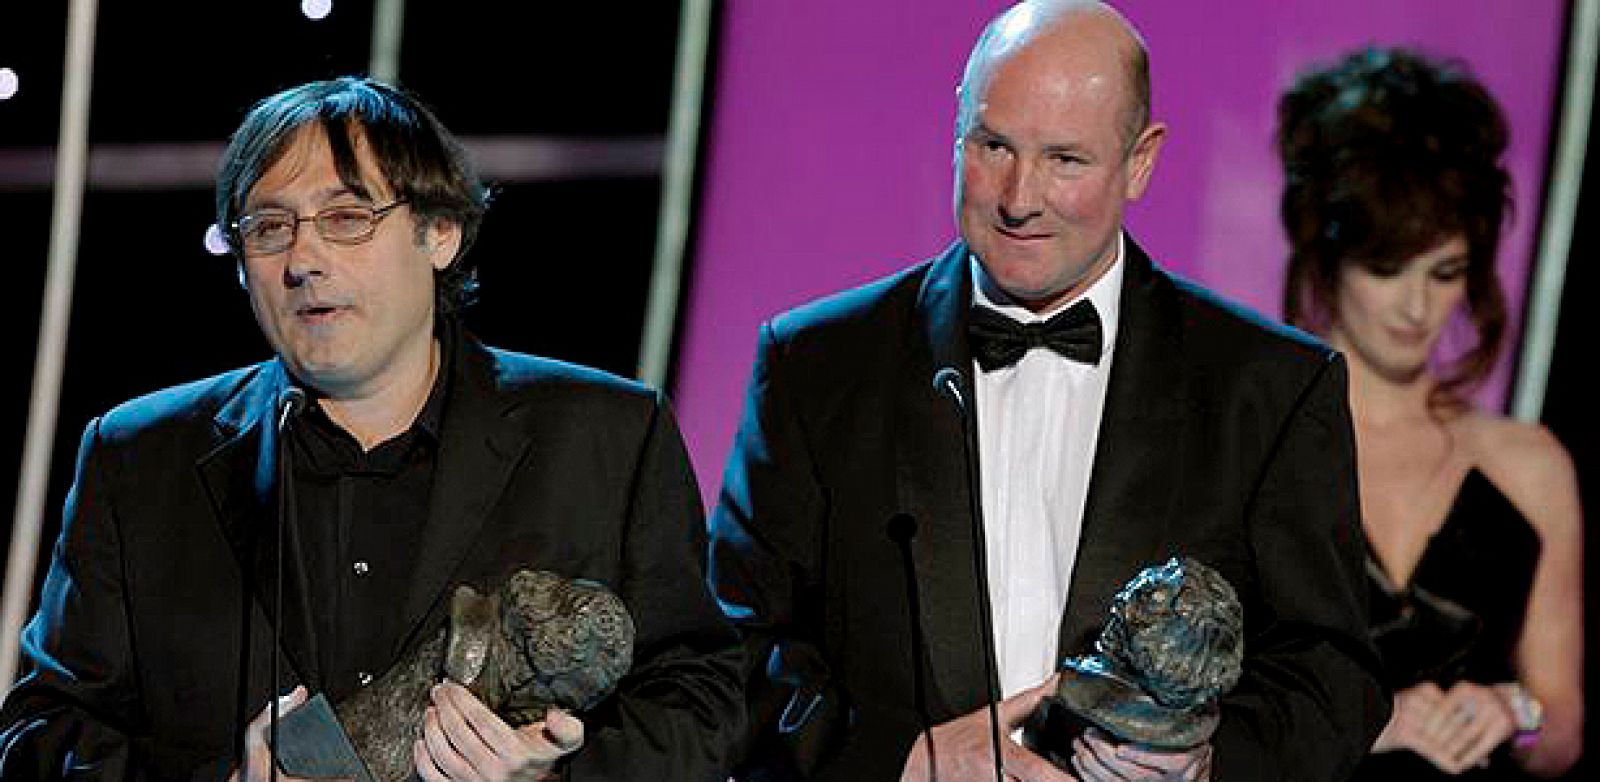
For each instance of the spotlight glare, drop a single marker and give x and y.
(8, 83)
(316, 10)
(216, 243)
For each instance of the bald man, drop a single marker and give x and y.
(1154, 420)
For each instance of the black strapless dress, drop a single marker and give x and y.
(1459, 618)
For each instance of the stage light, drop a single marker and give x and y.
(8, 83)
(316, 10)
(216, 243)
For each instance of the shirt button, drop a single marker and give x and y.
(361, 567)
(363, 678)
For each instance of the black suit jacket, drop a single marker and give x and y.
(1223, 437)
(150, 651)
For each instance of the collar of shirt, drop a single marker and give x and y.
(1105, 294)
(329, 450)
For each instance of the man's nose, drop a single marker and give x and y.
(1019, 200)
(305, 257)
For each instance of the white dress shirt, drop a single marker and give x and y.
(1038, 422)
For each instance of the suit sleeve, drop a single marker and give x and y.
(1310, 702)
(679, 711)
(75, 714)
(766, 534)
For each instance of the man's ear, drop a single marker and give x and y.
(1142, 158)
(443, 241)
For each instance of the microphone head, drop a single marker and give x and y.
(901, 528)
(290, 403)
(949, 381)
(294, 398)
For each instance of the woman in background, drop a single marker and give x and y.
(1394, 201)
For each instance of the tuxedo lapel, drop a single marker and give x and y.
(931, 481)
(241, 480)
(1132, 488)
(478, 451)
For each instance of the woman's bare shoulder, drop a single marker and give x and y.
(1528, 464)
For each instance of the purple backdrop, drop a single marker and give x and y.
(829, 158)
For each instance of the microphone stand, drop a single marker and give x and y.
(290, 405)
(949, 382)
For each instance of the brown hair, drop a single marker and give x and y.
(1386, 153)
(421, 160)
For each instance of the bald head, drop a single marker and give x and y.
(1089, 39)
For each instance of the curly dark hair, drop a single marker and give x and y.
(421, 161)
(1386, 153)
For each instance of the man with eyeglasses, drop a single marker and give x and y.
(421, 460)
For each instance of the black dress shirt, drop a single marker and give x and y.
(359, 522)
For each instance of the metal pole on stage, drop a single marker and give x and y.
(1561, 212)
(677, 191)
(67, 212)
(388, 24)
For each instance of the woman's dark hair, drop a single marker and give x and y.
(1387, 153)
(418, 157)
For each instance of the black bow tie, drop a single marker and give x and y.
(998, 341)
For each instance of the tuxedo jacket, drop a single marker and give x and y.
(151, 648)
(1223, 437)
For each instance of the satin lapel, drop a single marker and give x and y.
(1132, 489)
(932, 485)
(240, 477)
(477, 453)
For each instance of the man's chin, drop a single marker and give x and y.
(1030, 294)
(324, 374)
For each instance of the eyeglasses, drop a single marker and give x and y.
(269, 231)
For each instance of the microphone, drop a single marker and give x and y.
(902, 529)
(290, 403)
(949, 382)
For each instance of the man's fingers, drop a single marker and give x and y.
(564, 730)
(263, 718)
(1020, 764)
(422, 761)
(258, 755)
(1015, 710)
(541, 745)
(441, 750)
(1162, 761)
(485, 725)
(1123, 755)
(1091, 768)
(1105, 759)
(286, 703)
(1096, 760)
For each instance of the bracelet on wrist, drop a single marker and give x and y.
(1528, 713)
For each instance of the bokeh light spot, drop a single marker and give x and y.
(316, 10)
(216, 243)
